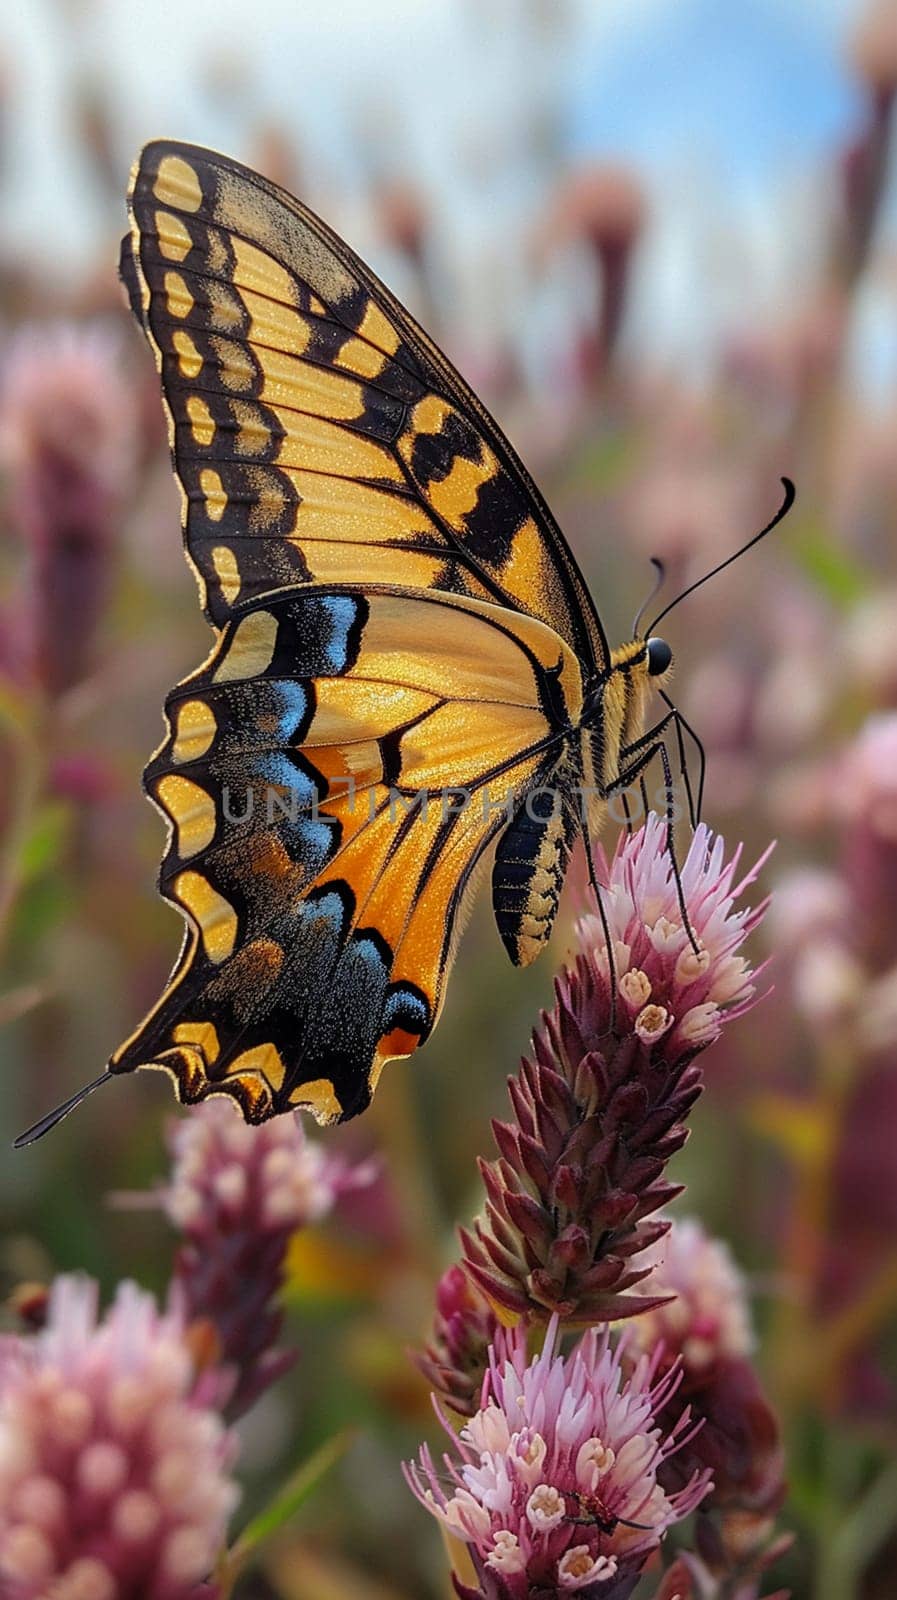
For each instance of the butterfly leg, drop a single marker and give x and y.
(629, 819)
(683, 726)
(598, 891)
(646, 749)
(685, 776)
(635, 759)
(647, 746)
(651, 735)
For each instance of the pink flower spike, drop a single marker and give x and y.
(704, 1319)
(553, 1472)
(601, 1106)
(68, 436)
(114, 1480)
(238, 1194)
(702, 1333)
(454, 1360)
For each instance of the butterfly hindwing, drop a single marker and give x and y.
(313, 848)
(318, 435)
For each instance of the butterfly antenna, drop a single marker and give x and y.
(783, 510)
(38, 1129)
(652, 594)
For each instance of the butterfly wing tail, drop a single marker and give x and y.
(45, 1123)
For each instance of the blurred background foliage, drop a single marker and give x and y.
(660, 238)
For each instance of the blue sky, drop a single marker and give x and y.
(732, 111)
(744, 85)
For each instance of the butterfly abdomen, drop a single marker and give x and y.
(529, 871)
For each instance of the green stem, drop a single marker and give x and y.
(283, 1507)
(847, 1546)
(25, 725)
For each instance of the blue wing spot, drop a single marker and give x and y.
(318, 635)
(277, 768)
(310, 844)
(342, 612)
(292, 703)
(370, 953)
(406, 1008)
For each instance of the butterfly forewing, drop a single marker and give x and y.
(318, 435)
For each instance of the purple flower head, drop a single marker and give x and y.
(687, 996)
(455, 1359)
(237, 1194)
(114, 1480)
(553, 1483)
(600, 1107)
(230, 1176)
(703, 1325)
(866, 792)
(67, 440)
(703, 1317)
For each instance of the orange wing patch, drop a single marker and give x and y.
(329, 791)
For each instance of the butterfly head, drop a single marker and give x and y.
(643, 659)
(659, 657)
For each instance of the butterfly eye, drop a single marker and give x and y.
(659, 657)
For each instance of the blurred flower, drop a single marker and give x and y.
(826, 983)
(763, 711)
(601, 1106)
(82, 778)
(691, 1578)
(402, 215)
(686, 504)
(703, 1318)
(837, 928)
(781, 366)
(877, 1023)
(114, 1477)
(455, 1360)
(722, 697)
(237, 1194)
(602, 207)
(865, 162)
(857, 1251)
(795, 695)
(866, 797)
(274, 151)
(554, 1486)
(703, 1327)
(94, 126)
(869, 777)
(808, 903)
(870, 637)
(67, 440)
(874, 48)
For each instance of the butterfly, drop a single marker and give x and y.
(407, 665)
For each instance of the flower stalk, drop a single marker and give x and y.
(237, 1194)
(601, 1104)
